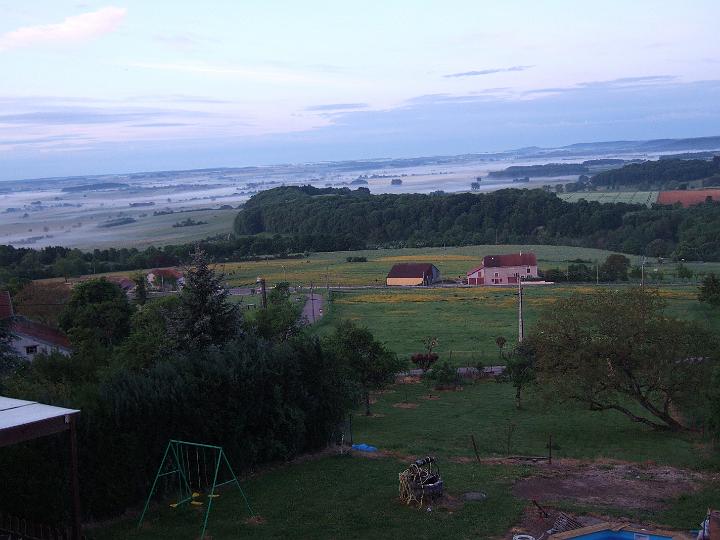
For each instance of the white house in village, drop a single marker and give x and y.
(32, 338)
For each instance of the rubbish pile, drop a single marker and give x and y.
(421, 482)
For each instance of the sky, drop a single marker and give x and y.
(109, 87)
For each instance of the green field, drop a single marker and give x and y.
(356, 497)
(631, 197)
(467, 320)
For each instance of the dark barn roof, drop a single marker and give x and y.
(512, 259)
(411, 270)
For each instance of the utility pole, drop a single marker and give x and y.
(312, 300)
(521, 324)
(642, 272)
(597, 273)
(261, 281)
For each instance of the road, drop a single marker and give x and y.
(313, 309)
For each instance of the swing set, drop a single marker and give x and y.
(195, 471)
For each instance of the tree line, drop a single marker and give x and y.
(509, 216)
(659, 174)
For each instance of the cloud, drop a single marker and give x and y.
(256, 74)
(337, 107)
(184, 41)
(486, 71)
(76, 28)
(631, 81)
(69, 115)
(161, 124)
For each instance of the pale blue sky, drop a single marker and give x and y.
(91, 87)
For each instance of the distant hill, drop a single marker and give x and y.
(534, 171)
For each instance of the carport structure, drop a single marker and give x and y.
(22, 421)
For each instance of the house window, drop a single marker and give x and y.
(528, 271)
(496, 274)
(31, 349)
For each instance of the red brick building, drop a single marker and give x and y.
(504, 269)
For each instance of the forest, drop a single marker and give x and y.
(658, 174)
(510, 216)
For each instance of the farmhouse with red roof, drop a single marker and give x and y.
(166, 279)
(31, 338)
(504, 269)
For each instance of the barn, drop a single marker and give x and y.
(504, 269)
(413, 274)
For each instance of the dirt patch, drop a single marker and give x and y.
(403, 405)
(373, 415)
(256, 520)
(463, 459)
(409, 379)
(430, 397)
(622, 485)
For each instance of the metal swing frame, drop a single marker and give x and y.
(173, 455)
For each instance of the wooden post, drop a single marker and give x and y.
(550, 449)
(477, 455)
(74, 480)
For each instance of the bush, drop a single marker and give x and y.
(444, 376)
(260, 401)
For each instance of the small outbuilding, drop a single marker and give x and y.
(504, 269)
(413, 274)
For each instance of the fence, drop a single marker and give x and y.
(17, 528)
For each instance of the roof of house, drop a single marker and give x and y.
(6, 307)
(511, 259)
(167, 273)
(40, 332)
(411, 270)
(124, 283)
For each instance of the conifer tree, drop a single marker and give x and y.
(205, 316)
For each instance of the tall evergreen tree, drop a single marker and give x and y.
(205, 316)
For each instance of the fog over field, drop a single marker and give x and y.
(141, 209)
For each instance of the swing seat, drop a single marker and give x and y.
(173, 505)
(195, 495)
(197, 503)
(213, 496)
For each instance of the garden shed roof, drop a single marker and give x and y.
(22, 420)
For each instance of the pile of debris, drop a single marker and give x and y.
(421, 482)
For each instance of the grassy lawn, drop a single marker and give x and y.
(341, 497)
(356, 497)
(467, 320)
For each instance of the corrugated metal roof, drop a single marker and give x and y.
(6, 309)
(411, 270)
(18, 412)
